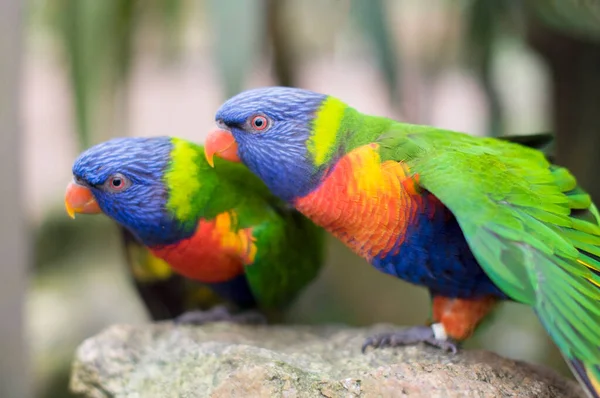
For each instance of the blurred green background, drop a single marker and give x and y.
(92, 70)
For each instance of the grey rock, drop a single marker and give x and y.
(226, 360)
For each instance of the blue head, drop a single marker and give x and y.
(125, 179)
(272, 127)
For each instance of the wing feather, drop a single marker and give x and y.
(531, 228)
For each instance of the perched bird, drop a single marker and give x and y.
(474, 220)
(197, 236)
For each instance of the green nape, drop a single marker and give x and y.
(324, 135)
(338, 125)
(197, 190)
(183, 178)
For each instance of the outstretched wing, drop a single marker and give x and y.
(531, 228)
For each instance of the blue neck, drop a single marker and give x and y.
(283, 164)
(165, 233)
(287, 180)
(151, 223)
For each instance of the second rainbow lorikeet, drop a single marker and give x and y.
(474, 220)
(197, 236)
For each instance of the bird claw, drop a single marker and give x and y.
(410, 336)
(220, 313)
(445, 345)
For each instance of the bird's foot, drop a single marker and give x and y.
(434, 335)
(220, 313)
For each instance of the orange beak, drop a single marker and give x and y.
(221, 143)
(79, 199)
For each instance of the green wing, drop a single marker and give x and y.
(164, 293)
(531, 228)
(289, 256)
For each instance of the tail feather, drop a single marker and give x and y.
(587, 377)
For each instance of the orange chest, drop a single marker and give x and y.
(217, 252)
(365, 203)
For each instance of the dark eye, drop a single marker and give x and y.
(117, 183)
(259, 122)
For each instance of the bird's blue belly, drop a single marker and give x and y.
(435, 254)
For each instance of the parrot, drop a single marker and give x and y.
(200, 242)
(475, 220)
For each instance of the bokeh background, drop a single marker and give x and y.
(77, 72)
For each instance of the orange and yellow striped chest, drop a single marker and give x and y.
(366, 203)
(217, 252)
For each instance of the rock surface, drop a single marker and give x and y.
(225, 360)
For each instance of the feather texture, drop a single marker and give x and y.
(404, 233)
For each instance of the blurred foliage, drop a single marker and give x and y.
(580, 18)
(371, 16)
(565, 35)
(278, 36)
(97, 44)
(241, 22)
(484, 24)
(57, 235)
(97, 39)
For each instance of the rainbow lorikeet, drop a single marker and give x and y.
(475, 220)
(221, 231)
